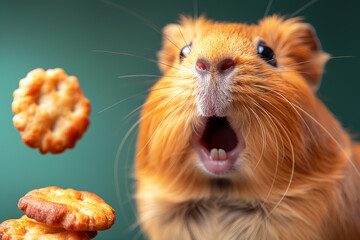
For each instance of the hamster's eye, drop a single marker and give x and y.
(185, 51)
(266, 53)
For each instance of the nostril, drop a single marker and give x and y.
(226, 64)
(200, 65)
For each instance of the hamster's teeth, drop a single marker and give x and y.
(222, 154)
(218, 154)
(214, 154)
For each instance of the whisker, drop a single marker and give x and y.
(141, 106)
(117, 157)
(292, 105)
(132, 114)
(117, 186)
(263, 137)
(171, 117)
(282, 71)
(271, 117)
(292, 172)
(153, 50)
(135, 95)
(133, 55)
(146, 21)
(128, 194)
(116, 164)
(248, 133)
(172, 163)
(277, 158)
(162, 119)
(293, 164)
(149, 75)
(268, 8)
(341, 57)
(195, 9)
(296, 108)
(303, 62)
(138, 75)
(117, 103)
(139, 233)
(152, 100)
(263, 62)
(153, 81)
(195, 130)
(182, 36)
(332, 137)
(289, 65)
(302, 9)
(140, 83)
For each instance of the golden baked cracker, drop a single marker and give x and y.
(28, 229)
(50, 110)
(69, 209)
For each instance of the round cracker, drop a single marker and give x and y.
(26, 228)
(69, 209)
(50, 110)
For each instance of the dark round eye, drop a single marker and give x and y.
(266, 53)
(185, 51)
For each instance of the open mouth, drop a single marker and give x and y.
(218, 145)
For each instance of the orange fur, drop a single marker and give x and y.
(296, 179)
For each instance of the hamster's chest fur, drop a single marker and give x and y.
(210, 219)
(228, 219)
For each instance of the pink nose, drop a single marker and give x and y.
(201, 65)
(228, 63)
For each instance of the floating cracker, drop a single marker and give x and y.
(50, 110)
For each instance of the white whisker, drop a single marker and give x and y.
(333, 138)
(133, 55)
(138, 75)
(117, 157)
(292, 105)
(292, 172)
(272, 118)
(146, 21)
(263, 137)
(268, 8)
(249, 117)
(302, 8)
(289, 65)
(162, 120)
(135, 95)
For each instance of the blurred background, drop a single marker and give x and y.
(65, 33)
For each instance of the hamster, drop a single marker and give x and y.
(234, 143)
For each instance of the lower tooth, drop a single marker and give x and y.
(214, 154)
(222, 154)
(218, 154)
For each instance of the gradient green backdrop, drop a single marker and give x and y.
(64, 33)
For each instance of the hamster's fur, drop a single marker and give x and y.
(295, 175)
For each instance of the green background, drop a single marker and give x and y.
(64, 33)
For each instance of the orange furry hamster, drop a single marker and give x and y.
(234, 143)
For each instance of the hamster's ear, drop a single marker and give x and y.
(295, 43)
(170, 46)
(176, 37)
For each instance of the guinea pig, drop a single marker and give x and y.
(234, 143)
